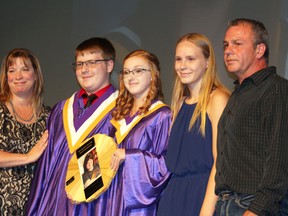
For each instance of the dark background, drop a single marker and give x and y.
(53, 28)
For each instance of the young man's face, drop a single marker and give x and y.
(93, 77)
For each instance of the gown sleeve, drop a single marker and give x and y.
(144, 171)
(45, 165)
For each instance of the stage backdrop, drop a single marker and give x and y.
(52, 29)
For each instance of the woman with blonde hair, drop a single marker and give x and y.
(197, 103)
(142, 122)
(22, 123)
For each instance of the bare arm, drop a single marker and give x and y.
(8, 159)
(218, 101)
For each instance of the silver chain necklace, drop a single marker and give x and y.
(17, 115)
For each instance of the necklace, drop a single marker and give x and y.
(18, 116)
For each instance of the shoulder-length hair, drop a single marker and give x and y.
(31, 61)
(210, 81)
(124, 102)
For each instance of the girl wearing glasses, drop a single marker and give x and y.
(197, 103)
(142, 123)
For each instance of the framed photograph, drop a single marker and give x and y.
(88, 172)
(88, 164)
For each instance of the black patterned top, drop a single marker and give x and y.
(252, 141)
(16, 137)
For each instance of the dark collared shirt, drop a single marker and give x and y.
(253, 141)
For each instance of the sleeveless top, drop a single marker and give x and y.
(190, 159)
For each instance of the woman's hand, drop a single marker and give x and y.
(117, 158)
(34, 154)
(71, 199)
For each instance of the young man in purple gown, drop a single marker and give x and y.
(72, 121)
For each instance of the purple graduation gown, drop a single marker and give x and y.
(48, 195)
(143, 175)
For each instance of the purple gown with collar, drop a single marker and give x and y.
(142, 177)
(48, 195)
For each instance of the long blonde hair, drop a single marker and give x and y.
(210, 81)
(29, 60)
(125, 100)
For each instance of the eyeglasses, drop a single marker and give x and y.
(136, 72)
(89, 63)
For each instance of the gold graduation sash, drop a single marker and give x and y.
(75, 137)
(123, 129)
